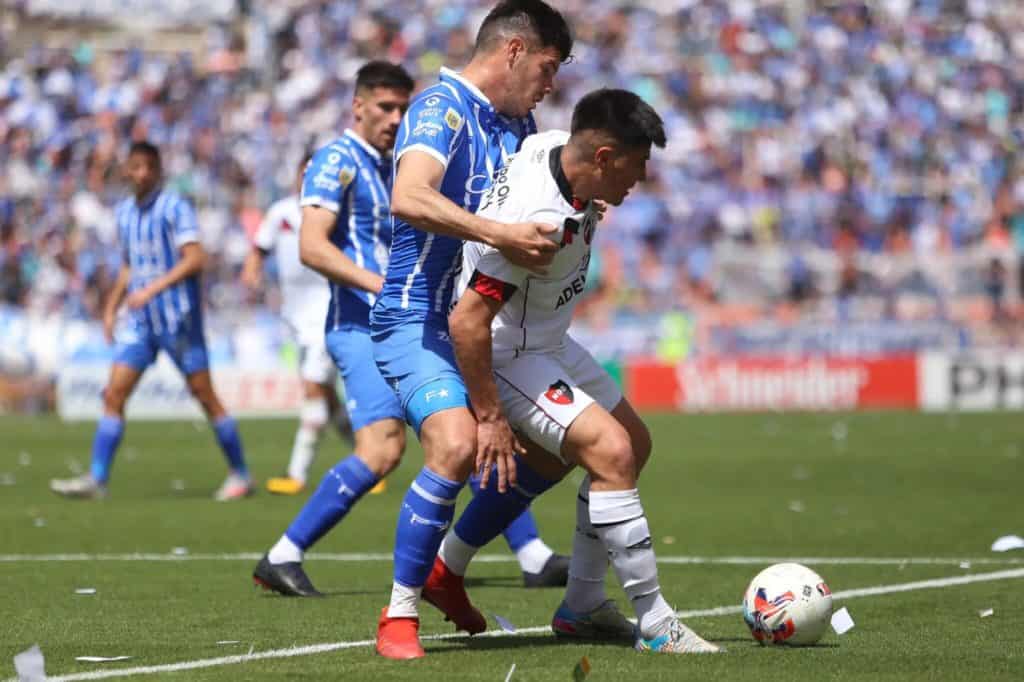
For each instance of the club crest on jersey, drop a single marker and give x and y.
(346, 175)
(452, 118)
(559, 393)
(572, 227)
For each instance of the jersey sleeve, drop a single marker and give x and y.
(494, 273)
(432, 125)
(186, 225)
(328, 177)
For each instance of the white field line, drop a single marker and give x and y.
(334, 646)
(507, 558)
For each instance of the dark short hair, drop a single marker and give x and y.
(147, 148)
(381, 74)
(532, 19)
(620, 114)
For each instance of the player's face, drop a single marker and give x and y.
(533, 78)
(620, 169)
(143, 173)
(378, 111)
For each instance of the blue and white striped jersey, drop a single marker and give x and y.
(350, 178)
(456, 124)
(152, 233)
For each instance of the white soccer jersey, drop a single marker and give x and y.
(538, 308)
(304, 292)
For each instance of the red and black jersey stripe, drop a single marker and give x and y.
(488, 286)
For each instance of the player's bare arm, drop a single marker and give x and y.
(318, 252)
(114, 299)
(470, 328)
(252, 269)
(417, 200)
(192, 261)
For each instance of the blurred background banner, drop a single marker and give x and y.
(837, 220)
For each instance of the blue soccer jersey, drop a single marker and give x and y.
(457, 125)
(152, 233)
(350, 178)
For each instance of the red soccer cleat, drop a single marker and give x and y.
(398, 638)
(445, 590)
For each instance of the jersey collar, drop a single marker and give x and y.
(369, 148)
(449, 75)
(558, 173)
(148, 200)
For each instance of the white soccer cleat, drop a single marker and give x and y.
(679, 639)
(235, 487)
(83, 487)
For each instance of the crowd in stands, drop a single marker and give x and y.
(849, 129)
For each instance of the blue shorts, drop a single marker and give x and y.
(369, 397)
(417, 361)
(137, 346)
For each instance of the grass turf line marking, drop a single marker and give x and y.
(507, 558)
(335, 646)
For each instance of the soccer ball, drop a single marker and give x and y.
(787, 604)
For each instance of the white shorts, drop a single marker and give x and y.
(543, 393)
(315, 363)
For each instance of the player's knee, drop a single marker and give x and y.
(382, 449)
(642, 445)
(617, 462)
(114, 400)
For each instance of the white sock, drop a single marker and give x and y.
(618, 517)
(589, 563)
(284, 552)
(404, 600)
(312, 419)
(456, 553)
(533, 555)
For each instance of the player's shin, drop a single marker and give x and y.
(313, 418)
(618, 518)
(589, 563)
(490, 513)
(109, 431)
(427, 512)
(230, 443)
(340, 489)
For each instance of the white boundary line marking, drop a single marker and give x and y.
(334, 646)
(507, 558)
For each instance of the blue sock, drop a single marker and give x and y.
(427, 512)
(340, 489)
(104, 444)
(231, 444)
(491, 512)
(522, 529)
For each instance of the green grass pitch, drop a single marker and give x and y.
(864, 485)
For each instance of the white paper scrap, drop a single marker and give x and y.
(179, 551)
(841, 621)
(229, 641)
(38, 522)
(101, 659)
(985, 613)
(504, 623)
(1008, 542)
(796, 506)
(29, 665)
(510, 671)
(7, 479)
(24, 459)
(86, 590)
(965, 564)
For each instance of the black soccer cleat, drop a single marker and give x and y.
(554, 574)
(288, 579)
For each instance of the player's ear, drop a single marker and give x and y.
(515, 49)
(603, 156)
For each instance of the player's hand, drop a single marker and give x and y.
(109, 320)
(530, 245)
(139, 298)
(601, 207)
(497, 446)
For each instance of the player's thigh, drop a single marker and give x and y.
(122, 381)
(369, 398)
(417, 361)
(541, 399)
(187, 349)
(380, 445)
